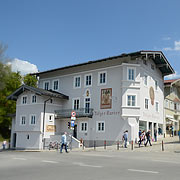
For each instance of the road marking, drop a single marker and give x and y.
(86, 165)
(53, 162)
(20, 159)
(98, 155)
(163, 161)
(143, 171)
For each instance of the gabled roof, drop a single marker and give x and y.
(157, 56)
(171, 82)
(37, 91)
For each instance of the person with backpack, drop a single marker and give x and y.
(148, 137)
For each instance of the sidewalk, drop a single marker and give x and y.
(171, 144)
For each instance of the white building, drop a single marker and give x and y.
(109, 96)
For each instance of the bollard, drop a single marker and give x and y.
(94, 145)
(105, 144)
(162, 145)
(132, 145)
(117, 145)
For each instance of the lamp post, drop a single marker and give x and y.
(44, 121)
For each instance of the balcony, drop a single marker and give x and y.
(82, 112)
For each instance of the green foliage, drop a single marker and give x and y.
(9, 82)
(30, 80)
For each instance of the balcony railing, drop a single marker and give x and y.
(82, 112)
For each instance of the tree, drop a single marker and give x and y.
(9, 82)
(30, 80)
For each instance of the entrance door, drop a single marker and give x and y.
(14, 140)
(75, 131)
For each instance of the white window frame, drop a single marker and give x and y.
(145, 79)
(99, 74)
(48, 85)
(77, 87)
(22, 99)
(146, 105)
(85, 103)
(32, 98)
(85, 76)
(97, 126)
(52, 117)
(131, 68)
(131, 100)
(21, 120)
(83, 124)
(73, 100)
(156, 85)
(157, 106)
(55, 80)
(30, 117)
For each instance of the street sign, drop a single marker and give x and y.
(73, 118)
(72, 123)
(73, 113)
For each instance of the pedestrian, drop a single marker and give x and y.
(125, 138)
(172, 130)
(64, 142)
(155, 135)
(148, 137)
(179, 134)
(140, 137)
(4, 144)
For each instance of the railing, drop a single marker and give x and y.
(82, 112)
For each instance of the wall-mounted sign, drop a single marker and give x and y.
(50, 128)
(151, 94)
(106, 98)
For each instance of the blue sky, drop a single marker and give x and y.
(56, 33)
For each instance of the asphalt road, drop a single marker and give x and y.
(91, 165)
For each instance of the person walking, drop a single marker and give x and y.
(64, 142)
(125, 138)
(155, 135)
(4, 144)
(140, 137)
(148, 137)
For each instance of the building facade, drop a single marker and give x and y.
(172, 106)
(109, 96)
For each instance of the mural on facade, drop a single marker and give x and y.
(152, 96)
(106, 98)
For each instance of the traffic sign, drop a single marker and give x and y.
(72, 123)
(73, 118)
(73, 113)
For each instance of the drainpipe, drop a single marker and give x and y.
(44, 121)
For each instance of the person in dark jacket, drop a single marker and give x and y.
(148, 137)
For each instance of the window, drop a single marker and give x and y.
(131, 74)
(157, 107)
(84, 126)
(50, 118)
(28, 137)
(146, 104)
(23, 120)
(145, 79)
(131, 100)
(87, 105)
(55, 85)
(102, 78)
(166, 103)
(46, 85)
(156, 85)
(88, 80)
(100, 126)
(76, 104)
(32, 119)
(152, 66)
(175, 106)
(34, 99)
(24, 100)
(77, 81)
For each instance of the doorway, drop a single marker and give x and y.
(75, 131)
(14, 140)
